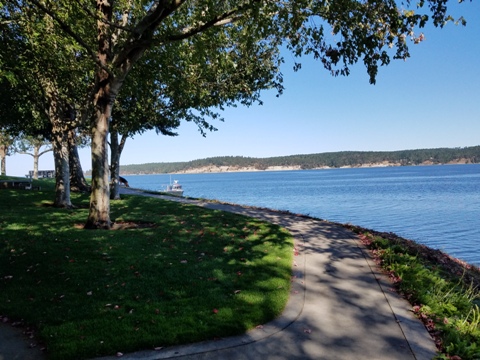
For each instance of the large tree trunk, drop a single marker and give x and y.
(99, 215)
(3, 159)
(62, 168)
(107, 86)
(116, 149)
(77, 179)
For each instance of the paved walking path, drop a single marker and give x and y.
(340, 306)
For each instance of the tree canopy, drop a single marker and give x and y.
(204, 55)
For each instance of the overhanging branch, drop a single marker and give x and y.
(142, 32)
(68, 30)
(221, 20)
(98, 18)
(45, 151)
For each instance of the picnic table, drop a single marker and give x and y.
(18, 184)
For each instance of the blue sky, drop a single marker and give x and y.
(431, 100)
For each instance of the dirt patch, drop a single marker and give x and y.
(126, 225)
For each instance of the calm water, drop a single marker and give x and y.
(435, 205)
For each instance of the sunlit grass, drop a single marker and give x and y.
(186, 274)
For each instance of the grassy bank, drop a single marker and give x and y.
(444, 291)
(172, 274)
(169, 274)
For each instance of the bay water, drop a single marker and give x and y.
(438, 206)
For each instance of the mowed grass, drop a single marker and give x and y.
(187, 274)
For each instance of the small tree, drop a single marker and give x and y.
(32, 145)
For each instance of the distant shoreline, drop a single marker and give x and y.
(318, 161)
(232, 169)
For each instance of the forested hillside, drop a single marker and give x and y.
(314, 161)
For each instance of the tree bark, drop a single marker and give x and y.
(35, 162)
(114, 166)
(62, 168)
(3, 159)
(116, 149)
(77, 179)
(107, 86)
(99, 215)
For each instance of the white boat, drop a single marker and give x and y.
(174, 189)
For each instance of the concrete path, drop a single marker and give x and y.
(340, 306)
(16, 345)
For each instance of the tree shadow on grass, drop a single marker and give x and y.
(153, 285)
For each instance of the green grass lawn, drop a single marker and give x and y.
(186, 274)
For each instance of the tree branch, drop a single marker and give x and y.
(143, 31)
(155, 16)
(45, 151)
(224, 19)
(70, 32)
(24, 153)
(121, 145)
(116, 34)
(98, 18)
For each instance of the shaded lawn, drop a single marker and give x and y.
(186, 274)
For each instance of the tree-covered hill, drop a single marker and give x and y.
(314, 161)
